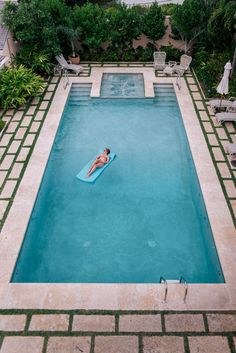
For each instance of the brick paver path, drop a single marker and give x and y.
(25, 331)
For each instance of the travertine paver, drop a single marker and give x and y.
(213, 344)
(16, 170)
(230, 188)
(140, 323)
(193, 88)
(221, 322)
(3, 206)
(7, 162)
(69, 344)
(31, 110)
(12, 322)
(2, 151)
(207, 126)
(35, 100)
(197, 96)
(23, 154)
(93, 323)
(51, 87)
(29, 140)
(162, 344)
(224, 170)
(17, 344)
(35, 126)
(14, 146)
(218, 154)
(26, 121)
(221, 133)
(182, 323)
(2, 177)
(50, 322)
(190, 80)
(116, 344)
(8, 189)
(43, 105)
(20, 133)
(17, 116)
(212, 140)
(5, 139)
(48, 95)
(229, 126)
(203, 115)
(39, 115)
(12, 127)
(199, 105)
(233, 204)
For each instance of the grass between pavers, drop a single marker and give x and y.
(25, 162)
(221, 179)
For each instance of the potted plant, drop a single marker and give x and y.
(72, 33)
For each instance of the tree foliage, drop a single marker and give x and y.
(153, 22)
(190, 19)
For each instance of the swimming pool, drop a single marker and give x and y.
(143, 218)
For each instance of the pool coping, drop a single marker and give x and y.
(119, 296)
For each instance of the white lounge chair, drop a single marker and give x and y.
(226, 116)
(65, 65)
(185, 61)
(231, 149)
(159, 60)
(222, 103)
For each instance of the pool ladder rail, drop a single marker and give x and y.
(174, 281)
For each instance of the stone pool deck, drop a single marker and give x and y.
(117, 332)
(111, 331)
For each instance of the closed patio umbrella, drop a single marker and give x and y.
(223, 87)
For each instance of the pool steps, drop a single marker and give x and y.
(80, 94)
(164, 94)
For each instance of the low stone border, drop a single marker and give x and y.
(117, 331)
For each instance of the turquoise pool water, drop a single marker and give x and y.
(142, 219)
(122, 86)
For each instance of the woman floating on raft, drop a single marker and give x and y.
(99, 161)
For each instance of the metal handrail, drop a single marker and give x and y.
(163, 280)
(66, 81)
(182, 280)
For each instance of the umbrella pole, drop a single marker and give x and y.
(221, 97)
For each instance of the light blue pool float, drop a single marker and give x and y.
(83, 173)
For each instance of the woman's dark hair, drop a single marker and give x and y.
(108, 151)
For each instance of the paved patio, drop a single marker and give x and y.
(117, 332)
(113, 331)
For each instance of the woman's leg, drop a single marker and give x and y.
(94, 167)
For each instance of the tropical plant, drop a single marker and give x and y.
(221, 25)
(38, 62)
(153, 23)
(17, 85)
(70, 30)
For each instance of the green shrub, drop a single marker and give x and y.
(167, 9)
(17, 85)
(145, 54)
(172, 54)
(38, 62)
(210, 68)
